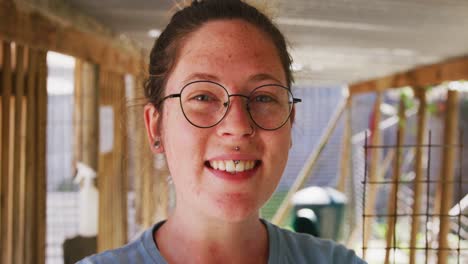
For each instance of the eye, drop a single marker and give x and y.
(203, 98)
(263, 98)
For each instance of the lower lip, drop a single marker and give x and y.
(234, 177)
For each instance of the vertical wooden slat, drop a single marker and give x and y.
(22, 181)
(447, 173)
(137, 138)
(18, 224)
(30, 164)
(393, 197)
(41, 173)
(418, 167)
(78, 113)
(120, 159)
(1, 52)
(90, 114)
(5, 177)
(112, 168)
(373, 172)
(345, 149)
(105, 235)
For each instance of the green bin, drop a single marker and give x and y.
(319, 211)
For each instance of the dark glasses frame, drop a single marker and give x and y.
(228, 103)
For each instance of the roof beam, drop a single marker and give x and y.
(450, 70)
(38, 30)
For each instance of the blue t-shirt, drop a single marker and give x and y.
(284, 247)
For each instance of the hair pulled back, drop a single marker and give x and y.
(186, 21)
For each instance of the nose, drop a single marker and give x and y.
(237, 121)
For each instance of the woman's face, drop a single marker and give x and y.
(239, 56)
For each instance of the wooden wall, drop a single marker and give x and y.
(26, 34)
(23, 166)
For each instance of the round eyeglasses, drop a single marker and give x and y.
(205, 104)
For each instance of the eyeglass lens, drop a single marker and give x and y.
(206, 103)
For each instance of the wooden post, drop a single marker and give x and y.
(5, 177)
(393, 197)
(447, 173)
(112, 181)
(105, 199)
(18, 152)
(119, 158)
(90, 117)
(31, 164)
(373, 173)
(78, 118)
(418, 185)
(345, 149)
(41, 173)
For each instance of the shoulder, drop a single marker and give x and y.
(141, 250)
(304, 248)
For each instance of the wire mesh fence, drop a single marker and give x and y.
(427, 246)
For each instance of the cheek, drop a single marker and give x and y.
(184, 146)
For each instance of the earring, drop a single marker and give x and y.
(157, 144)
(169, 179)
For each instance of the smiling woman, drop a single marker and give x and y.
(221, 110)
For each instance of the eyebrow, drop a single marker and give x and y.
(254, 78)
(263, 77)
(201, 76)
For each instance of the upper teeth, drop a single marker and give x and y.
(232, 165)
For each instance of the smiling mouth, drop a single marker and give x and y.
(233, 166)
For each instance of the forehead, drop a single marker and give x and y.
(233, 51)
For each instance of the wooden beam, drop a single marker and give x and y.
(375, 160)
(112, 169)
(393, 197)
(41, 173)
(346, 145)
(446, 184)
(450, 70)
(30, 164)
(90, 114)
(5, 176)
(78, 111)
(418, 168)
(18, 176)
(35, 29)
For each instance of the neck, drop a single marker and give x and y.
(208, 240)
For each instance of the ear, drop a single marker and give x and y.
(291, 119)
(153, 129)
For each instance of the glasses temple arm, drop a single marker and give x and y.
(296, 100)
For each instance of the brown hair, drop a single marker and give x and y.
(164, 53)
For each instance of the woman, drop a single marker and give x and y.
(221, 110)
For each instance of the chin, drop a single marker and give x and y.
(235, 208)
